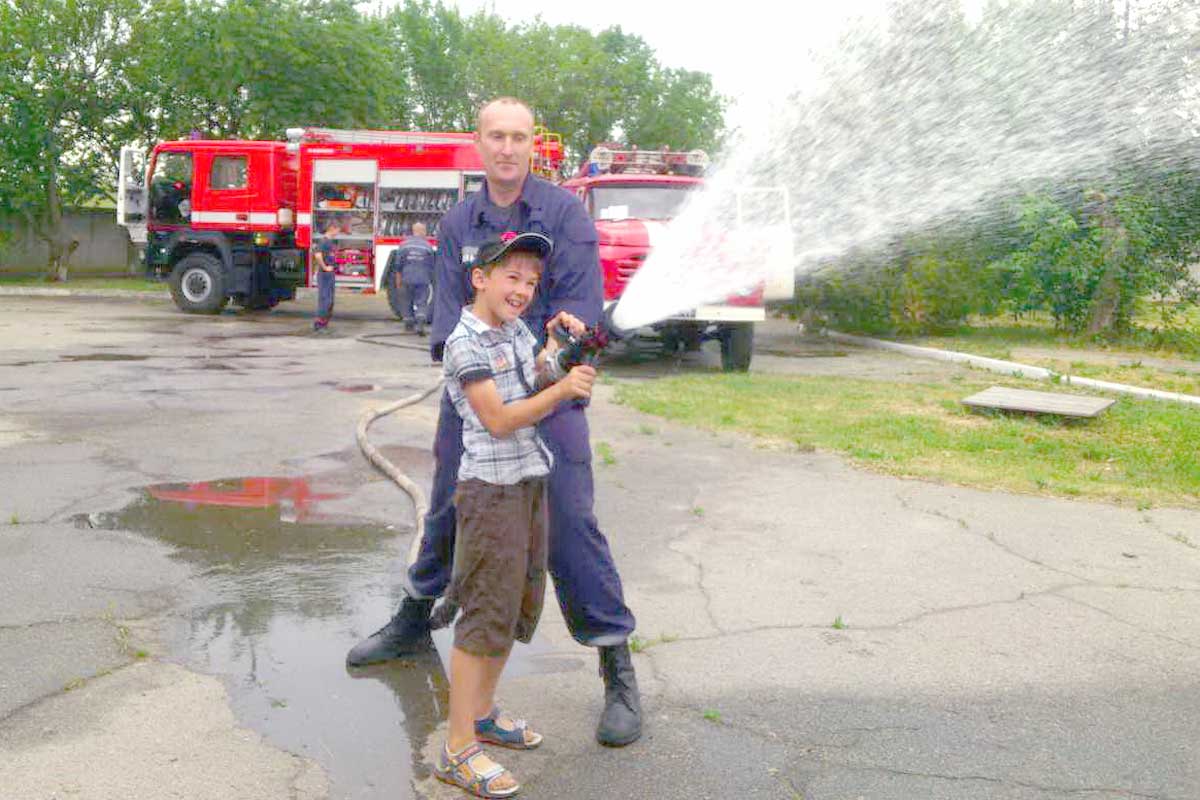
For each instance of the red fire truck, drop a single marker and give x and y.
(632, 195)
(238, 220)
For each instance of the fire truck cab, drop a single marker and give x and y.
(239, 220)
(632, 195)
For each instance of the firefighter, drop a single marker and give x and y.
(413, 262)
(585, 577)
(324, 257)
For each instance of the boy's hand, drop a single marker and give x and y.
(568, 321)
(578, 383)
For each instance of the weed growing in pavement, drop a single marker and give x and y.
(838, 624)
(712, 715)
(14, 519)
(605, 452)
(647, 430)
(697, 511)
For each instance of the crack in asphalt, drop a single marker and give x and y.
(989, 537)
(1140, 628)
(682, 532)
(1117, 793)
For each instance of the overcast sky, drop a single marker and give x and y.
(754, 49)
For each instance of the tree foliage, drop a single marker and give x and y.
(79, 78)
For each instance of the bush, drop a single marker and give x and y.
(1085, 257)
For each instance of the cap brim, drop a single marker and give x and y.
(527, 242)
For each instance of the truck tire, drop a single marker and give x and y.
(198, 284)
(395, 294)
(737, 346)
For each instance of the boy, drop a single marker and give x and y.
(500, 390)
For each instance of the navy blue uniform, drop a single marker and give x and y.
(325, 282)
(414, 259)
(585, 578)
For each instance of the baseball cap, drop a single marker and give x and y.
(497, 247)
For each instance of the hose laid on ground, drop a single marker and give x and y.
(1011, 368)
(380, 462)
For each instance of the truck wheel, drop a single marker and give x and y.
(198, 284)
(395, 294)
(737, 346)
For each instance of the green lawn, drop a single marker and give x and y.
(1140, 452)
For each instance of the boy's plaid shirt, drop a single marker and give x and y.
(476, 351)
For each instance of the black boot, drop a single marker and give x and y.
(406, 634)
(621, 720)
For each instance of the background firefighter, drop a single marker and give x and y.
(413, 261)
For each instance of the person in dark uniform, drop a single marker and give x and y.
(413, 260)
(323, 256)
(585, 578)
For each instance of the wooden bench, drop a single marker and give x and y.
(1064, 405)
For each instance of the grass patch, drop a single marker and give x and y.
(1139, 452)
(605, 453)
(639, 645)
(130, 284)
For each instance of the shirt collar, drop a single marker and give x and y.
(476, 325)
(530, 199)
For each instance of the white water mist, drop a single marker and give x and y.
(923, 123)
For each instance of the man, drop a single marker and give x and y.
(585, 578)
(323, 255)
(413, 262)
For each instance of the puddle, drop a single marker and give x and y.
(289, 576)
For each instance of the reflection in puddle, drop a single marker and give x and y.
(289, 577)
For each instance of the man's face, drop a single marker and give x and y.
(505, 143)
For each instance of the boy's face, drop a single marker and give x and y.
(507, 290)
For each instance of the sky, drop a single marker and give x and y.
(754, 49)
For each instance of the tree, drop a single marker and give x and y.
(62, 64)
(589, 88)
(252, 68)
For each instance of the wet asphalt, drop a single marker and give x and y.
(185, 491)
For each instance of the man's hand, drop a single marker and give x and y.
(568, 321)
(578, 383)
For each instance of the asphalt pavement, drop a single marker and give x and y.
(190, 541)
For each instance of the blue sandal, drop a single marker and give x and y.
(518, 738)
(457, 770)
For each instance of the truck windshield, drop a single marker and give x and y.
(644, 201)
(171, 188)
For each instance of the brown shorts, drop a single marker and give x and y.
(499, 577)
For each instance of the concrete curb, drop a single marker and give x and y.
(1010, 368)
(58, 291)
